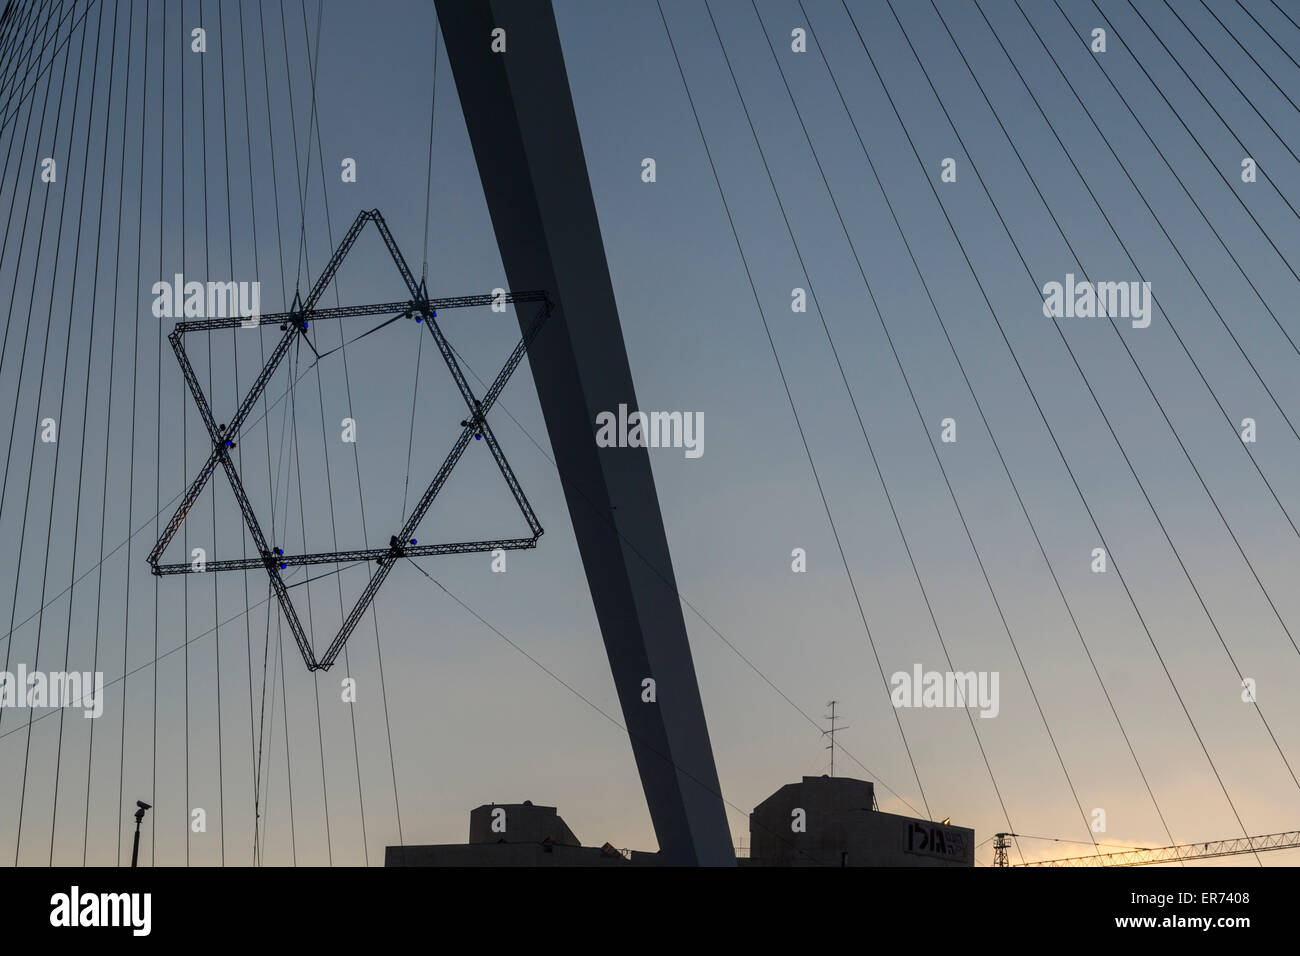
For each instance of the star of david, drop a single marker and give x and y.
(402, 544)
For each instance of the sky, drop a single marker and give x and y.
(1119, 691)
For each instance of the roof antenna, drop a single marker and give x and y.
(832, 732)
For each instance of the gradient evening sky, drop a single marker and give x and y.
(467, 718)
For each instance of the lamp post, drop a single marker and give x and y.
(139, 815)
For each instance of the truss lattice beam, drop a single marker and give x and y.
(357, 311)
(363, 554)
(1181, 852)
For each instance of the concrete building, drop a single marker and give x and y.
(833, 821)
(820, 821)
(516, 834)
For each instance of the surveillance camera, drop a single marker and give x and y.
(143, 806)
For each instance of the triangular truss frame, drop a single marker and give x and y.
(420, 308)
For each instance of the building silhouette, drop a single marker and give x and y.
(819, 821)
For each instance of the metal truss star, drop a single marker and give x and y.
(402, 544)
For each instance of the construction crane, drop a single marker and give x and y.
(1142, 856)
